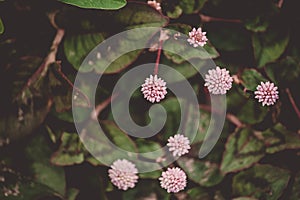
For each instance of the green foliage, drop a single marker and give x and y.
(97, 4)
(43, 156)
(261, 181)
(242, 150)
(1, 26)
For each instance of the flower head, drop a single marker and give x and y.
(179, 145)
(154, 89)
(197, 37)
(173, 180)
(266, 93)
(123, 174)
(154, 4)
(218, 81)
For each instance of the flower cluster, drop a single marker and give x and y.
(179, 145)
(154, 89)
(173, 180)
(218, 81)
(197, 37)
(266, 93)
(154, 4)
(123, 174)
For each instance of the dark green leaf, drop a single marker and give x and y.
(227, 37)
(135, 15)
(103, 144)
(175, 13)
(179, 51)
(269, 46)
(252, 112)
(278, 138)
(261, 182)
(146, 189)
(197, 193)
(97, 4)
(242, 151)
(251, 79)
(285, 71)
(39, 153)
(77, 47)
(70, 151)
(204, 173)
(295, 194)
(1, 26)
(257, 24)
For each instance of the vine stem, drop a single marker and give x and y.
(101, 106)
(230, 117)
(287, 90)
(51, 58)
(205, 18)
(158, 57)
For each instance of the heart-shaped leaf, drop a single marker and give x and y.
(97, 4)
(242, 150)
(261, 182)
(204, 173)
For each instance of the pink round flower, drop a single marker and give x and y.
(266, 93)
(154, 89)
(154, 4)
(173, 180)
(123, 174)
(179, 145)
(218, 81)
(197, 37)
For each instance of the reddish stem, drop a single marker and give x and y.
(158, 57)
(287, 90)
(205, 18)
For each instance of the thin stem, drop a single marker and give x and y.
(72, 85)
(287, 90)
(230, 117)
(205, 18)
(101, 106)
(51, 58)
(158, 57)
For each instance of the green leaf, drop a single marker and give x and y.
(261, 182)
(97, 4)
(145, 146)
(242, 150)
(252, 112)
(135, 15)
(184, 51)
(175, 13)
(269, 46)
(257, 24)
(77, 47)
(227, 37)
(278, 138)
(251, 79)
(23, 188)
(146, 189)
(186, 69)
(72, 193)
(284, 72)
(295, 194)
(103, 144)
(70, 151)
(39, 152)
(1, 26)
(204, 173)
(197, 193)
(187, 6)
